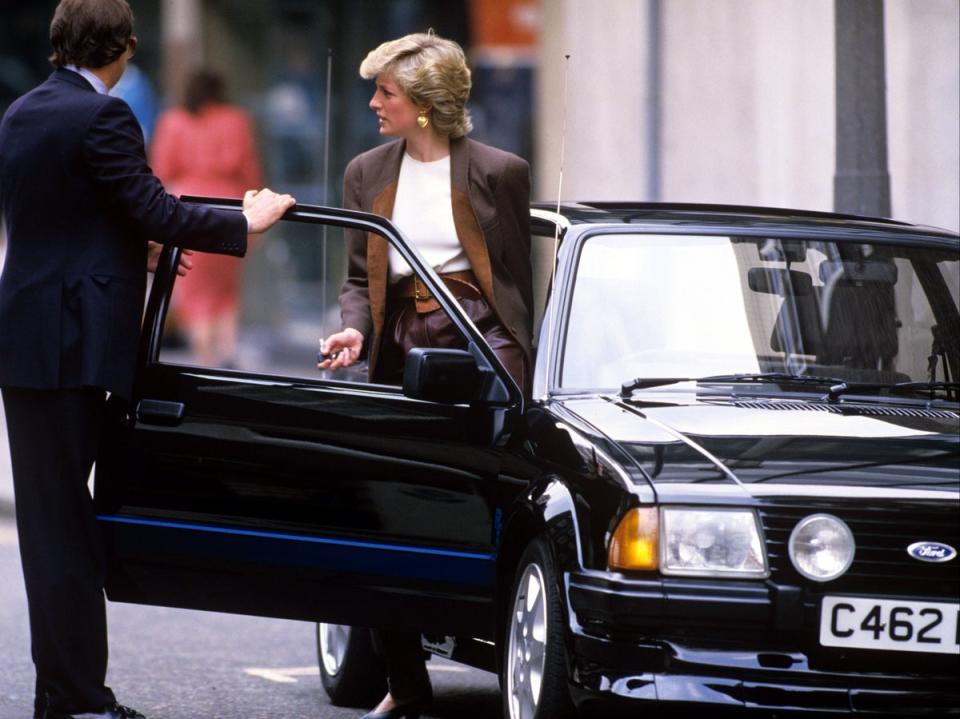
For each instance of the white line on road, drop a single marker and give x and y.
(283, 676)
(8, 535)
(288, 675)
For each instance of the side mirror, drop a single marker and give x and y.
(442, 375)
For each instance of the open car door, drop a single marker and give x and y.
(265, 486)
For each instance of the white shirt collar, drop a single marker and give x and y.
(98, 84)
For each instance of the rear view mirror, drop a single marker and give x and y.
(443, 375)
(774, 281)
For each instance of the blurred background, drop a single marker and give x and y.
(722, 101)
(680, 100)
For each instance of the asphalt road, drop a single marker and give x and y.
(178, 664)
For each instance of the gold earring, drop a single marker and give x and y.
(422, 119)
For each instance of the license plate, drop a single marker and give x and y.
(890, 625)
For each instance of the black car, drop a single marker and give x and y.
(736, 484)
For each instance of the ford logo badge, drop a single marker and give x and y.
(931, 551)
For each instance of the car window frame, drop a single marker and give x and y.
(501, 392)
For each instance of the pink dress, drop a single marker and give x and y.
(211, 153)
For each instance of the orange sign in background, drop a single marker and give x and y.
(504, 23)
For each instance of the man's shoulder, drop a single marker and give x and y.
(53, 108)
(63, 100)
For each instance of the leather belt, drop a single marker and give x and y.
(462, 285)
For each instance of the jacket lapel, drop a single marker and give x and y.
(465, 218)
(378, 257)
(384, 190)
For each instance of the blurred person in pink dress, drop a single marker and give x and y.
(207, 147)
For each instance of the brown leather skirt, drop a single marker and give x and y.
(406, 328)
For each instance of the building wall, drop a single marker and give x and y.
(747, 103)
(605, 154)
(923, 109)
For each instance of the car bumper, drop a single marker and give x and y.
(732, 644)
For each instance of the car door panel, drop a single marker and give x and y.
(291, 497)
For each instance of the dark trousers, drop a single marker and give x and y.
(407, 676)
(405, 328)
(54, 435)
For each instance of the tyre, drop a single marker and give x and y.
(534, 661)
(351, 672)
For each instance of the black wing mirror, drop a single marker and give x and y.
(442, 375)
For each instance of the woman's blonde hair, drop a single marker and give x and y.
(431, 71)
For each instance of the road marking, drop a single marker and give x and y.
(446, 668)
(288, 675)
(283, 676)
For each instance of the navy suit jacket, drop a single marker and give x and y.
(80, 203)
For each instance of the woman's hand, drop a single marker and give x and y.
(342, 349)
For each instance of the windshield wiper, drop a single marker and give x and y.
(646, 383)
(771, 377)
(843, 387)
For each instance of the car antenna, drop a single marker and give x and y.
(556, 228)
(326, 182)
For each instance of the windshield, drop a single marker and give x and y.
(690, 306)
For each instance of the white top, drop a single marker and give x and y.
(423, 210)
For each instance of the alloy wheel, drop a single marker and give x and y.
(528, 642)
(333, 639)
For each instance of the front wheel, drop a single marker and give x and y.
(534, 663)
(350, 670)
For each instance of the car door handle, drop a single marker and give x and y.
(155, 411)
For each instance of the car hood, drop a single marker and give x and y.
(773, 447)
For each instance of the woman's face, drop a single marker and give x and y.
(396, 112)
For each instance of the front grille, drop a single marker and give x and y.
(867, 410)
(881, 565)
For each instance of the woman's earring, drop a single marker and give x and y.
(422, 119)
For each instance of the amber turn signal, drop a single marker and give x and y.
(634, 545)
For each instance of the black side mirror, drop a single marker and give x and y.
(441, 375)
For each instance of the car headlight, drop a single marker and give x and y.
(689, 542)
(711, 542)
(821, 547)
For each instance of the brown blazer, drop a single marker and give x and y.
(490, 190)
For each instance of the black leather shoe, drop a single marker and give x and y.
(409, 710)
(116, 711)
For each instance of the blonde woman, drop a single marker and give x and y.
(466, 207)
(464, 204)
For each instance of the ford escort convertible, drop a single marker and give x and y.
(736, 485)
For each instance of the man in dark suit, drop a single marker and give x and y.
(80, 205)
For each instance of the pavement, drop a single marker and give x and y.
(6, 475)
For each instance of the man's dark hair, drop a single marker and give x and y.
(203, 86)
(90, 33)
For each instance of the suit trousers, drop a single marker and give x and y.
(54, 437)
